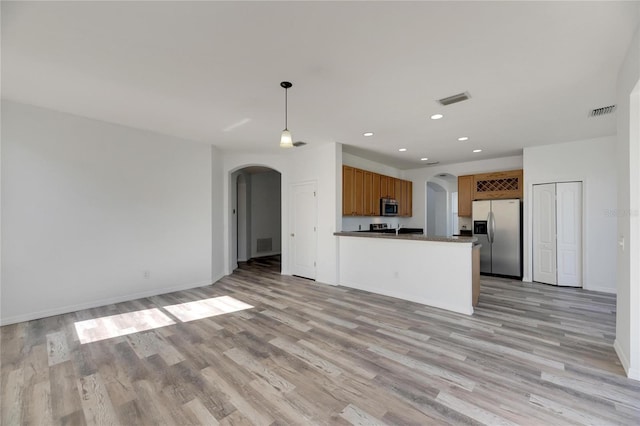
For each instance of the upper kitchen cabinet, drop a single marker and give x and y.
(487, 186)
(405, 200)
(362, 190)
(352, 191)
(498, 185)
(397, 188)
(465, 195)
(387, 187)
(371, 194)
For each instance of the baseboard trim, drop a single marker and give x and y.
(102, 302)
(632, 373)
(601, 289)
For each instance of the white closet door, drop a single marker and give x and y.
(544, 233)
(569, 233)
(303, 230)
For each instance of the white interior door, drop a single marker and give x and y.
(303, 231)
(544, 234)
(569, 233)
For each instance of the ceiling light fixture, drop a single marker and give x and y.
(464, 138)
(402, 149)
(367, 134)
(424, 159)
(436, 116)
(285, 139)
(477, 150)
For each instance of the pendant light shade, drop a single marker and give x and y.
(285, 138)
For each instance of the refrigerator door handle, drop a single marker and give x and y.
(491, 227)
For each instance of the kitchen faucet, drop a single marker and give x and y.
(398, 229)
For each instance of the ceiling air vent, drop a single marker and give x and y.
(602, 111)
(454, 99)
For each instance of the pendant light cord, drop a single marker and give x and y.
(286, 108)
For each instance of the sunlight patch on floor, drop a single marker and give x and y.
(97, 329)
(199, 309)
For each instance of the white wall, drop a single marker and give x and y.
(593, 162)
(241, 226)
(265, 211)
(87, 207)
(431, 211)
(217, 216)
(627, 343)
(437, 209)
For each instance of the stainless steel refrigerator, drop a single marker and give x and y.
(498, 226)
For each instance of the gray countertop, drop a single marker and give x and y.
(412, 237)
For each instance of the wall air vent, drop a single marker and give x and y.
(602, 111)
(264, 245)
(454, 99)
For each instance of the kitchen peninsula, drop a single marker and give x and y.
(443, 272)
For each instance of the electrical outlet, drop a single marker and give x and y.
(146, 275)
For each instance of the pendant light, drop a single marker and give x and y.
(285, 138)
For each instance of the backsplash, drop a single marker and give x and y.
(462, 222)
(362, 223)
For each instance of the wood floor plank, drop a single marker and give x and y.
(58, 347)
(96, 404)
(248, 410)
(12, 396)
(200, 413)
(356, 416)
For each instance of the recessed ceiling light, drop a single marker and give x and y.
(424, 159)
(477, 150)
(367, 134)
(436, 116)
(402, 149)
(463, 138)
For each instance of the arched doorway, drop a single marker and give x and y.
(256, 223)
(441, 209)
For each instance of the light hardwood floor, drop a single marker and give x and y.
(308, 353)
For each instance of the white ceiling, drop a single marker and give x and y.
(211, 71)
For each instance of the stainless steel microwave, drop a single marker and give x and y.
(388, 207)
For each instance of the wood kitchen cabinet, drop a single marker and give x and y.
(465, 195)
(397, 188)
(358, 192)
(498, 185)
(354, 186)
(488, 186)
(405, 200)
(348, 191)
(371, 194)
(386, 186)
(362, 190)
